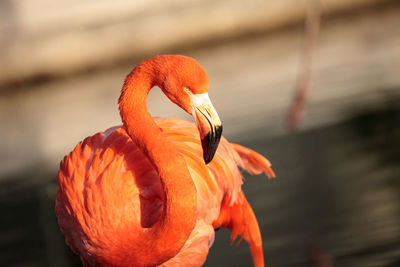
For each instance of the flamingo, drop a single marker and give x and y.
(152, 191)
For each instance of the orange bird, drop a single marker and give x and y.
(152, 191)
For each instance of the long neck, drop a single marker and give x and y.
(177, 221)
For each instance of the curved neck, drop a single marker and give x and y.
(179, 214)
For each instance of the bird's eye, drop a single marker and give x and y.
(187, 90)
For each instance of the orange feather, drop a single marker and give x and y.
(141, 194)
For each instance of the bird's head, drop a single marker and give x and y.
(185, 83)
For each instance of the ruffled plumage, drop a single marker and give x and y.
(109, 164)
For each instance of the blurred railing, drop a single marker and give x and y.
(44, 38)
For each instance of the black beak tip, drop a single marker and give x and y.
(207, 159)
(210, 143)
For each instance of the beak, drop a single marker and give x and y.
(208, 124)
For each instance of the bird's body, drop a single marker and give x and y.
(141, 194)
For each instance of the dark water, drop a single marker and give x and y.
(337, 192)
(336, 198)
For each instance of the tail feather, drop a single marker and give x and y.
(240, 219)
(237, 215)
(253, 162)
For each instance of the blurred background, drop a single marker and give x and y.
(336, 198)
